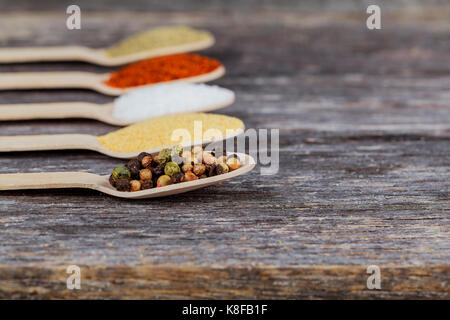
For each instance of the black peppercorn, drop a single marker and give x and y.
(147, 184)
(111, 181)
(133, 163)
(210, 170)
(123, 184)
(222, 168)
(177, 177)
(134, 167)
(142, 155)
(158, 170)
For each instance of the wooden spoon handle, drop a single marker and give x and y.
(49, 80)
(49, 142)
(55, 110)
(48, 180)
(33, 54)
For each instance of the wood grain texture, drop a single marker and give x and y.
(364, 174)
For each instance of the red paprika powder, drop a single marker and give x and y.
(162, 69)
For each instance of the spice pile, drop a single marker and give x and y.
(169, 98)
(157, 38)
(162, 69)
(157, 132)
(170, 166)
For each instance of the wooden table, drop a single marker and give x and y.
(364, 173)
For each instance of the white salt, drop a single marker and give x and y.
(163, 99)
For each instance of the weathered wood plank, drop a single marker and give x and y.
(364, 123)
(162, 282)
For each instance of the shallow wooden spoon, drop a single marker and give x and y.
(96, 56)
(58, 180)
(79, 142)
(86, 110)
(81, 80)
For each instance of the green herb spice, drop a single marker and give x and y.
(157, 38)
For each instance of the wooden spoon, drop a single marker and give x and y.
(86, 110)
(58, 180)
(81, 80)
(78, 142)
(96, 56)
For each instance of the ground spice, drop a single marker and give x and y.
(157, 38)
(162, 69)
(157, 132)
(169, 98)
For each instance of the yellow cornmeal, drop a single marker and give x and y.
(157, 38)
(169, 130)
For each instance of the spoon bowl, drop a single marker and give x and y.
(101, 112)
(95, 56)
(83, 80)
(82, 142)
(61, 180)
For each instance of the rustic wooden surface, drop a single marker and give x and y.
(364, 174)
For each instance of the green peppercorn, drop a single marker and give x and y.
(164, 156)
(123, 184)
(121, 172)
(176, 150)
(171, 168)
(222, 168)
(178, 177)
(164, 180)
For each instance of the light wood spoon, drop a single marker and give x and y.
(58, 180)
(96, 56)
(86, 110)
(81, 80)
(80, 142)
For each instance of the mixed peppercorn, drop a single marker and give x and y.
(170, 166)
